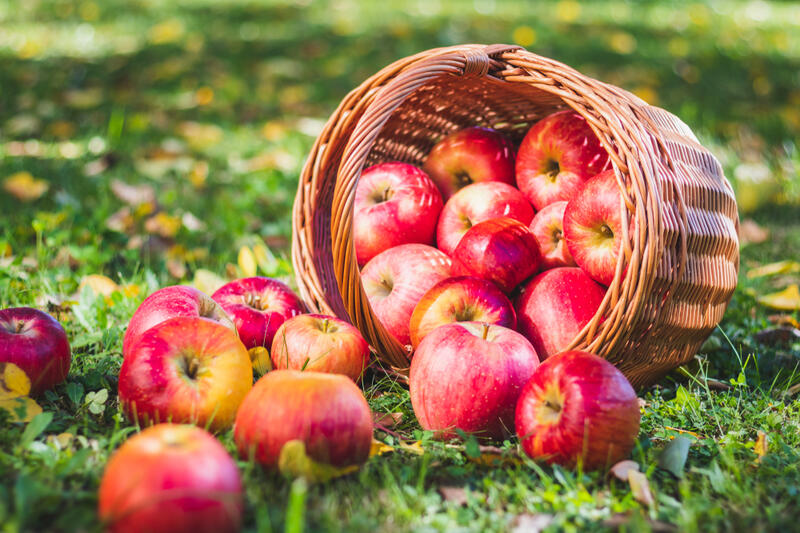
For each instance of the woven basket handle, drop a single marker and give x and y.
(467, 61)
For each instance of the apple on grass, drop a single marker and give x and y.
(461, 299)
(322, 344)
(555, 306)
(185, 370)
(171, 302)
(396, 203)
(548, 228)
(468, 376)
(326, 412)
(468, 156)
(476, 203)
(501, 250)
(593, 226)
(171, 478)
(258, 307)
(578, 408)
(36, 343)
(396, 280)
(558, 154)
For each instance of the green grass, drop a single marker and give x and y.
(98, 94)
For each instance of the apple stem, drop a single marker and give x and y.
(606, 231)
(20, 326)
(192, 368)
(485, 331)
(324, 325)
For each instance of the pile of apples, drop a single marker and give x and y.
(488, 260)
(527, 240)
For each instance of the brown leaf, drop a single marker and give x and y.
(176, 268)
(530, 523)
(455, 495)
(640, 487)
(101, 285)
(133, 195)
(751, 233)
(162, 224)
(121, 221)
(625, 520)
(784, 320)
(621, 469)
(781, 336)
(387, 420)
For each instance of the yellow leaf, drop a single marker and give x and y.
(640, 488)
(247, 262)
(21, 408)
(162, 224)
(204, 95)
(781, 267)
(14, 381)
(168, 31)
(379, 448)
(265, 258)
(262, 363)
(131, 290)
(101, 285)
(206, 281)
(24, 187)
(785, 300)
(414, 447)
(198, 135)
(761, 446)
(293, 462)
(61, 441)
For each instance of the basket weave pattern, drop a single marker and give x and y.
(680, 250)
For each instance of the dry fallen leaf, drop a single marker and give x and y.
(101, 285)
(133, 195)
(379, 448)
(414, 447)
(751, 233)
(640, 487)
(778, 320)
(207, 281)
(531, 523)
(14, 387)
(247, 262)
(293, 462)
(24, 187)
(785, 300)
(621, 469)
(455, 495)
(176, 268)
(761, 446)
(387, 420)
(771, 269)
(162, 224)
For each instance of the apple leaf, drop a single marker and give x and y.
(247, 262)
(621, 469)
(785, 300)
(294, 463)
(673, 456)
(14, 381)
(771, 269)
(379, 448)
(640, 487)
(24, 187)
(761, 446)
(20, 408)
(207, 281)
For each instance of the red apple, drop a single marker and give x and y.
(557, 155)
(170, 302)
(185, 369)
(396, 280)
(476, 203)
(396, 203)
(468, 376)
(320, 343)
(593, 226)
(258, 307)
(171, 478)
(37, 344)
(501, 250)
(327, 412)
(461, 299)
(578, 408)
(555, 306)
(548, 228)
(470, 156)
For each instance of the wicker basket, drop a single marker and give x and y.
(680, 262)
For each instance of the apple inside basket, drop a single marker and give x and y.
(676, 216)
